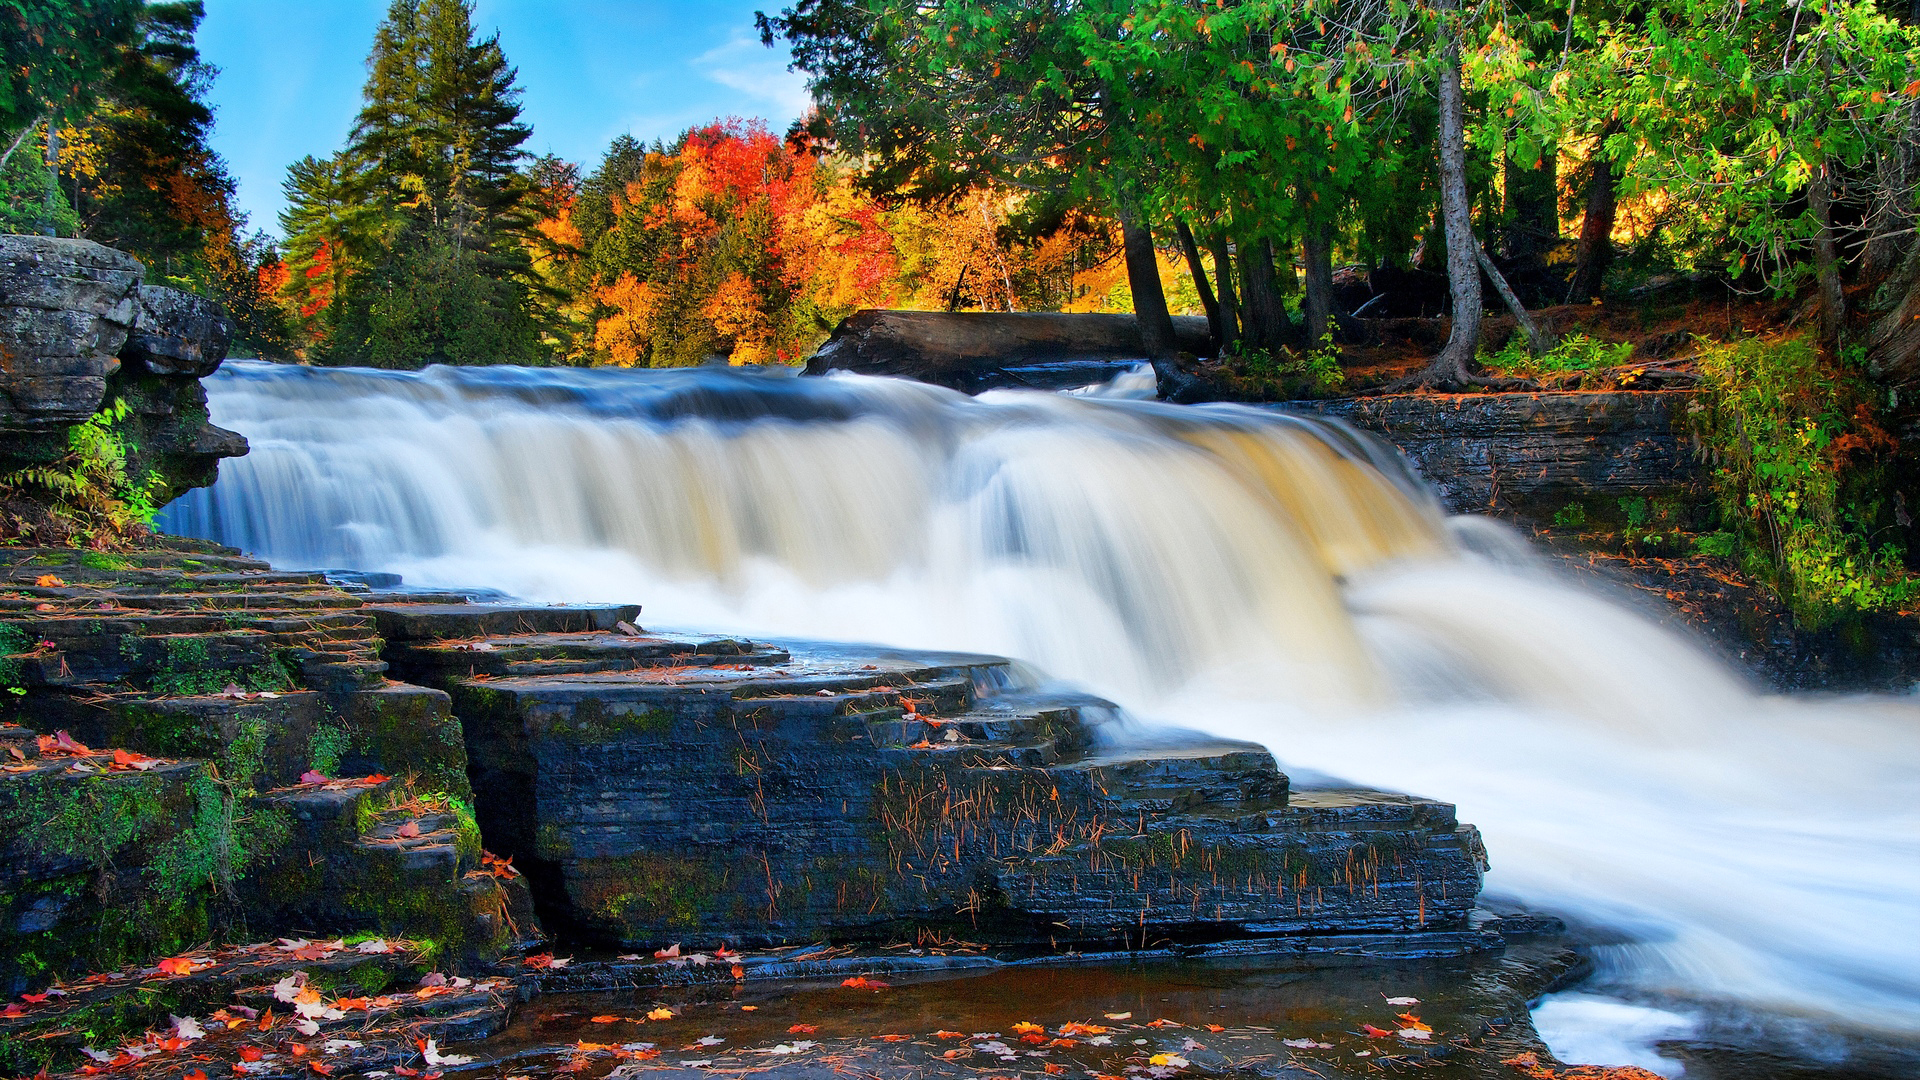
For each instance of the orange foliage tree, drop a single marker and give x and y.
(731, 242)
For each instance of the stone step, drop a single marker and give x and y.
(578, 653)
(410, 622)
(1179, 779)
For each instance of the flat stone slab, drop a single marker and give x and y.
(654, 784)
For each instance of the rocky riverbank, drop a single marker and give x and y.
(202, 748)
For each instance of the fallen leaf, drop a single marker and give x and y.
(323, 1070)
(607, 1019)
(1083, 1029)
(660, 1014)
(176, 965)
(803, 1029)
(409, 830)
(949, 1034)
(373, 947)
(1411, 1021)
(893, 1038)
(1415, 1034)
(671, 950)
(33, 999)
(1403, 1001)
(1374, 1032)
(1054, 1069)
(1162, 1023)
(1215, 1027)
(288, 989)
(861, 982)
(127, 759)
(1027, 1026)
(186, 1028)
(251, 1053)
(433, 1056)
(312, 776)
(48, 581)
(1119, 1016)
(13, 1009)
(1172, 1061)
(196, 1074)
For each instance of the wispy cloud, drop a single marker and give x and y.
(742, 64)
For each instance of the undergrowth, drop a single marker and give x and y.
(1798, 463)
(1575, 352)
(86, 498)
(1287, 374)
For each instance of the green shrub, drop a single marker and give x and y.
(1793, 451)
(1575, 352)
(87, 495)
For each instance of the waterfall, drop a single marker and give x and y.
(1234, 569)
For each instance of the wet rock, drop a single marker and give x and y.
(65, 309)
(251, 680)
(974, 351)
(659, 785)
(1531, 455)
(176, 333)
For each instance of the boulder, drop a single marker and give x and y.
(973, 351)
(65, 309)
(177, 339)
(177, 333)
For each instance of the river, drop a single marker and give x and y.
(1730, 853)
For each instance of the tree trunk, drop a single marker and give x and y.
(1143, 277)
(1448, 370)
(1229, 305)
(1266, 314)
(53, 175)
(1537, 341)
(1595, 252)
(1201, 285)
(1826, 258)
(1891, 219)
(1317, 246)
(1532, 221)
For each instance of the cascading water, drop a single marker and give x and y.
(1233, 569)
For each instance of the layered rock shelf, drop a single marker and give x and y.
(257, 765)
(654, 786)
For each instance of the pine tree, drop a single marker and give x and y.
(438, 141)
(329, 232)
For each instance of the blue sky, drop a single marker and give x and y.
(291, 71)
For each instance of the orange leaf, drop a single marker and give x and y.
(660, 1014)
(196, 1074)
(1374, 1032)
(949, 1034)
(861, 982)
(606, 1019)
(803, 1029)
(1215, 1027)
(1025, 1026)
(48, 581)
(176, 965)
(893, 1038)
(251, 1053)
(323, 1070)
(298, 1049)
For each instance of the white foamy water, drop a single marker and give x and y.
(1225, 568)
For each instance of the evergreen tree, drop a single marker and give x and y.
(438, 141)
